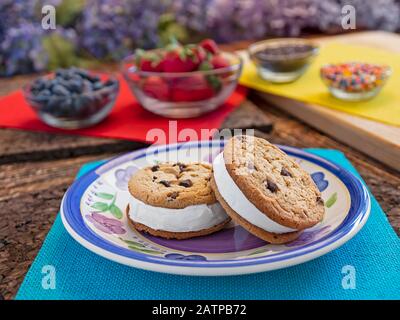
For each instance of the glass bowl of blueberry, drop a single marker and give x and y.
(72, 98)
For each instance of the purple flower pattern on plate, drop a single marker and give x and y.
(319, 179)
(122, 176)
(307, 237)
(107, 225)
(191, 257)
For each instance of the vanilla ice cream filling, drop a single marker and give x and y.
(191, 218)
(235, 198)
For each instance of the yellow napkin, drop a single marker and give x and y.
(385, 107)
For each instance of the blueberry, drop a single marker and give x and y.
(97, 85)
(41, 98)
(60, 90)
(77, 76)
(66, 107)
(54, 82)
(86, 99)
(48, 84)
(38, 84)
(60, 72)
(92, 79)
(68, 75)
(110, 83)
(53, 103)
(82, 73)
(45, 92)
(87, 85)
(77, 104)
(75, 86)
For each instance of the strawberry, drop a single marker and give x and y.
(210, 46)
(197, 53)
(150, 65)
(193, 88)
(176, 62)
(213, 80)
(157, 88)
(148, 61)
(219, 61)
(183, 58)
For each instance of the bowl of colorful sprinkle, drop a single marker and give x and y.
(182, 81)
(72, 98)
(355, 81)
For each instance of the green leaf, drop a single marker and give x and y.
(258, 251)
(137, 246)
(133, 243)
(101, 206)
(214, 82)
(331, 201)
(104, 195)
(144, 250)
(115, 211)
(205, 66)
(168, 27)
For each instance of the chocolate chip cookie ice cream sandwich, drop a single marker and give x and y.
(264, 190)
(175, 201)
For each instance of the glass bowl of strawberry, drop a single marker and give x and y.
(182, 81)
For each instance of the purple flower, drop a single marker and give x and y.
(113, 28)
(319, 180)
(307, 237)
(376, 14)
(107, 225)
(192, 257)
(21, 50)
(240, 19)
(123, 175)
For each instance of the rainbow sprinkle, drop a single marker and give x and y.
(355, 77)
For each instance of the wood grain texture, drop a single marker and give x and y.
(36, 169)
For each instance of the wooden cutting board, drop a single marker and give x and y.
(378, 140)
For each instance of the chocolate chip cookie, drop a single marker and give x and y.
(265, 190)
(175, 200)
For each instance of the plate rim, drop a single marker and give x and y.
(344, 232)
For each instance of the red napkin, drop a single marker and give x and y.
(128, 120)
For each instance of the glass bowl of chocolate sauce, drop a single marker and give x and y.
(282, 60)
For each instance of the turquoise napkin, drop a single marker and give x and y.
(81, 274)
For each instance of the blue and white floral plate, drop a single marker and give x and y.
(93, 210)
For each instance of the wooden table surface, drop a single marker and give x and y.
(37, 168)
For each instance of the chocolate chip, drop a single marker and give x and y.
(285, 173)
(154, 178)
(181, 166)
(173, 195)
(272, 186)
(186, 183)
(155, 168)
(320, 200)
(165, 183)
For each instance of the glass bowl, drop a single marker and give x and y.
(76, 109)
(182, 95)
(347, 86)
(282, 60)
